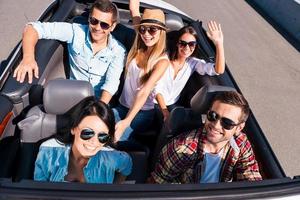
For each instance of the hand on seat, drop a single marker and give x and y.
(26, 66)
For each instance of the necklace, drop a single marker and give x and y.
(177, 66)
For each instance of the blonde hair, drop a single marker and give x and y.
(158, 50)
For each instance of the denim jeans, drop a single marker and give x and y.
(141, 121)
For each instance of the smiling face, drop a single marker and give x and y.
(99, 34)
(89, 147)
(149, 34)
(184, 45)
(216, 134)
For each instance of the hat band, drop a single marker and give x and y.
(152, 21)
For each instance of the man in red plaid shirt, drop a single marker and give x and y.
(218, 152)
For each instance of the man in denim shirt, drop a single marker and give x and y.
(94, 54)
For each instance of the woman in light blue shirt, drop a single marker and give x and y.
(78, 152)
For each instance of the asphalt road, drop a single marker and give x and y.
(264, 64)
(14, 15)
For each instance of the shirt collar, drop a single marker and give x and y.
(232, 143)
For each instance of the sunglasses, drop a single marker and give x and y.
(103, 25)
(226, 123)
(183, 44)
(87, 134)
(150, 29)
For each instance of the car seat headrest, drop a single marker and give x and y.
(201, 101)
(61, 94)
(183, 119)
(173, 22)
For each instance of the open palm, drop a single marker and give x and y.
(214, 32)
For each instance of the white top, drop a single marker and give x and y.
(212, 167)
(170, 88)
(132, 86)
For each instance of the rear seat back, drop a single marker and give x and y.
(58, 97)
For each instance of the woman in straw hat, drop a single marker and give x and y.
(146, 63)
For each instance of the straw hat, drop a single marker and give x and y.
(154, 17)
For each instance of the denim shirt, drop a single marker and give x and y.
(53, 158)
(102, 70)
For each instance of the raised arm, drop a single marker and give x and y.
(28, 63)
(215, 34)
(134, 6)
(141, 97)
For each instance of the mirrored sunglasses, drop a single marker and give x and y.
(150, 29)
(93, 21)
(226, 123)
(87, 134)
(183, 44)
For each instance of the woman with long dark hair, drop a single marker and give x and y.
(79, 151)
(183, 62)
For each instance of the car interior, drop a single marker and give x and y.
(32, 112)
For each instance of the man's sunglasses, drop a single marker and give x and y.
(103, 25)
(226, 123)
(183, 44)
(150, 29)
(87, 134)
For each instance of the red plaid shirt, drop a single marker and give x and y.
(181, 160)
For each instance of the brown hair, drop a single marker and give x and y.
(236, 99)
(89, 106)
(106, 6)
(173, 46)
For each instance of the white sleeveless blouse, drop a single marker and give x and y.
(132, 86)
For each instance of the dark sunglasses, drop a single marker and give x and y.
(183, 44)
(103, 25)
(226, 123)
(150, 29)
(87, 134)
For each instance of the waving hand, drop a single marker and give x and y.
(214, 32)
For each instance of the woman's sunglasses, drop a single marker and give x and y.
(103, 25)
(183, 44)
(150, 29)
(226, 123)
(87, 134)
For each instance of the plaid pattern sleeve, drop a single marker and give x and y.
(241, 165)
(176, 158)
(246, 167)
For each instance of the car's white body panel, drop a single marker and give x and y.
(163, 4)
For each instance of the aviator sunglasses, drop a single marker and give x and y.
(87, 134)
(151, 30)
(226, 123)
(183, 44)
(103, 25)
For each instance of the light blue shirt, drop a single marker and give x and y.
(53, 158)
(102, 70)
(212, 168)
